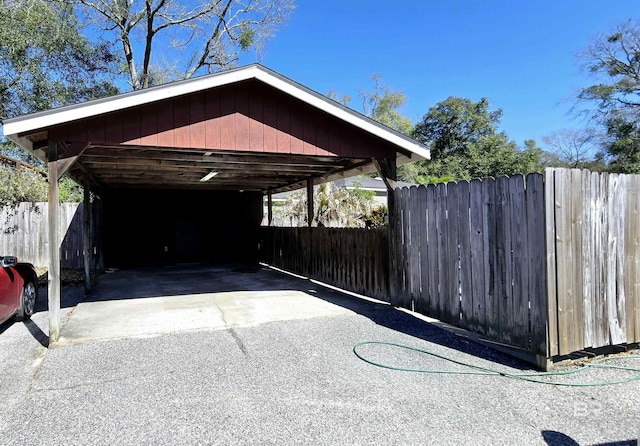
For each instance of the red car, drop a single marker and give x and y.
(18, 289)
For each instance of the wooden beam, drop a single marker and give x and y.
(387, 169)
(309, 201)
(54, 244)
(87, 242)
(71, 155)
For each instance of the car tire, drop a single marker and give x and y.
(27, 301)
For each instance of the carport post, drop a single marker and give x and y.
(309, 201)
(387, 168)
(57, 167)
(388, 171)
(54, 244)
(269, 207)
(87, 242)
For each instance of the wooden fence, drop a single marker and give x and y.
(352, 259)
(472, 254)
(593, 259)
(25, 234)
(548, 263)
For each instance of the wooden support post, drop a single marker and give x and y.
(269, 208)
(389, 173)
(87, 240)
(99, 229)
(309, 201)
(54, 244)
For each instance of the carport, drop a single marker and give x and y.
(181, 169)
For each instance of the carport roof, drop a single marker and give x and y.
(255, 128)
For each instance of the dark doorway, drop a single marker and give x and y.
(156, 227)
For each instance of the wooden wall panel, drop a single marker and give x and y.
(114, 131)
(96, 129)
(283, 129)
(309, 136)
(197, 121)
(270, 120)
(213, 120)
(149, 125)
(165, 124)
(243, 117)
(131, 126)
(256, 123)
(181, 122)
(242, 120)
(227, 121)
(296, 130)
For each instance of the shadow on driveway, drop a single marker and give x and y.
(198, 283)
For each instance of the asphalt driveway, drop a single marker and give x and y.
(204, 355)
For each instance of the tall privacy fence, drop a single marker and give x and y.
(548, 263)
(352, 259)
(24, 232)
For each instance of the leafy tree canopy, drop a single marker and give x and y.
(383, 105)
(613, 60)
(450, 126)
(465, 143)
(44, 60)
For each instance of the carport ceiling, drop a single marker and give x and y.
(157, 167)
(243, 129)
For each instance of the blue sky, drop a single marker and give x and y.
(521, 55)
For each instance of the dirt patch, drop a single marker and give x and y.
(67, 276)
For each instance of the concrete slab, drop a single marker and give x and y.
(135, 318)
(153, 302)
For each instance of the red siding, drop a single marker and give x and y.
(213, 120)
(248, 116)
(198, 124)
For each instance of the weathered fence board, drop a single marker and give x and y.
(25, 234)
(352, 259)
(535, 230)
(475, 260)
(594, 258)
(632, 259)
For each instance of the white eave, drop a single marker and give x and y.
(21, 125)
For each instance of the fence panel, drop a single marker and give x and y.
(594, 256)
(480, 269)
(25, 234)
(353, 259)
(632, 258)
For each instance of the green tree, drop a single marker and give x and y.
(164, 40)
(613, 60)
(623, 144)
(465, 143)
(21, 185)
(452, 125)
(45, 62)
(382, 105)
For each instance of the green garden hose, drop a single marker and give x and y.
(532, 377)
